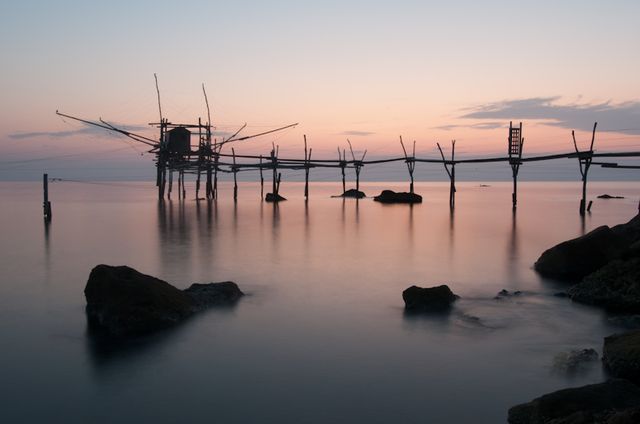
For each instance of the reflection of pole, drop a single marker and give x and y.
(46, 205)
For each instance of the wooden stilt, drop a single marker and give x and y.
(261, 180)
(410, 161)
(46, 204)
(584, 160)
(235, 173)
(515, 155)
(307, 160)
(450, 172)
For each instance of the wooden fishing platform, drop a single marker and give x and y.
(176, 153)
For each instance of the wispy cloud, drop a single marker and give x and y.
(478, 126)
(85, 130)
(620, 117)
(356, 133)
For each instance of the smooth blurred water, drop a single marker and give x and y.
(321, 336)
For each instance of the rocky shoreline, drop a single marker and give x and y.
(603, 269)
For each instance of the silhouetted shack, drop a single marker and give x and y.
(179, 141)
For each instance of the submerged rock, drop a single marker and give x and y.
(594, 403)
(608, 196)
(504, 293)
(615, 287)
(390, 196)
(270, 197)
(123, 301)
(353, 193)
(579, 257)
(621, 355)
(430, 299)
(574, 360)
(630, 322)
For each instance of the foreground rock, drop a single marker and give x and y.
(390, 196)
(574, 259)
(579, 257)
(615, 287)
(123, 301)
(607, 402)
(270, 197)
(353, 193)
(621, 355)
(430, 299)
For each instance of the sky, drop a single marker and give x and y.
(368, 71)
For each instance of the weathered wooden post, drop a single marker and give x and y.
(358, 164)
(170, 184)
(274, 165)
(235, 173)
(261, 180)
(515, 155)
(307, 159)
(46, 204)
(343, 164)
(584, 160)
(411, 163)
(450, 172)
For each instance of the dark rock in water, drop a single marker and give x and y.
(615, 286)
(353, 193)
(621, 355)
(214, 294)
(595, 403)
(430, 299)
(389, 196)
(270, 197)
(608, 196)
(630, 322)
(504, 293)
(574, 360)
(561, 294)
(123, 301)
(576, 258)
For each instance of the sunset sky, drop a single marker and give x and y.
(364, 70)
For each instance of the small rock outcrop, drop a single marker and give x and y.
(615, 287)
(594, 403)
(504, 294)
(270, 197)
(353, 193)
(429, 299)
(390, 196)
(608, 196)
(621, 355)
(123, 301)
(574, 259)
(574, 360)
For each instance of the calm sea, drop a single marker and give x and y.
(321, 336)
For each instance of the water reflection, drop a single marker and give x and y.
(513, 254)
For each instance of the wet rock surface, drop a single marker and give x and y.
(390, 196)
(429, 299)
(353, 193)
(615, 287)
(621, 355)
(270, 197)
(122, 301)
(594, 403)
(574, 361)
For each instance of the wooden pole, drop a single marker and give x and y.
(46, 205)
(584, 160)
(307, 159)
(516, 141)
(184, 190)
(451, 173)
(170, 183)
(343, 164)
(410, 162)
(235, 173)
(274, 164)
(216, 159)
(261, 180)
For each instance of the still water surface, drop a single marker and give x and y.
(321, 336)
